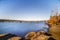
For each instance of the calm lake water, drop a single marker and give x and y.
(21, 28)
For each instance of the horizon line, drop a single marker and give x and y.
(11, 20)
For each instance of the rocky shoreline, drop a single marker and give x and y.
(54, 26)
(40, 35)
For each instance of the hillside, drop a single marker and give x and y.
(54, 26)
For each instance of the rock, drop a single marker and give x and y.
(2, 34)
(14, 38)
(42, 35)
(9, 37)
(40, 32)
(30, 35)
(55, 31)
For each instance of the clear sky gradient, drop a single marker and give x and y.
(27, 9)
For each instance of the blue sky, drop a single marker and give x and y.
(27, 9)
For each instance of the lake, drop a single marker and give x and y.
(21, 28)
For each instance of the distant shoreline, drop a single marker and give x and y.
(10, 20)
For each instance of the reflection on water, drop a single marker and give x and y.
(21, 28)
